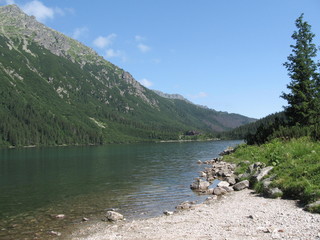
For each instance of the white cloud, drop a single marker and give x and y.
(143, 48)
(145, 82)
(111, 53)
(79, 32)
(39, 10)
(103, 42)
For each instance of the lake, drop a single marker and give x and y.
(139, 180)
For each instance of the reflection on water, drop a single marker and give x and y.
(141, 180)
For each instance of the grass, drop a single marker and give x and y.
(296, 166)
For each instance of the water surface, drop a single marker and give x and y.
(140, 180)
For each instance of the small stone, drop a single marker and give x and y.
(211, 198)
(199, 162)
(55, 233)
(168, 213)
(60, 216)
(252, 217)
(114, 216)
(184, 205)
(84, 219)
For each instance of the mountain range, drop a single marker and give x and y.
(55, 91)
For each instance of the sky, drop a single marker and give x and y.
(227, 55)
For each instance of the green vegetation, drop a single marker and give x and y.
(296, 165)
(289, 141)
(303, 109)
(76, 97)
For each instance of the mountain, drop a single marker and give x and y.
(54, 91)
(171, 96)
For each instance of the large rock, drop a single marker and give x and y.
(114, 216)
(223, 184)
(219, 191)
(261, 173)
(253, 168)
(231, 180)
(272, 192)
(313, 207)
(227, 151)
(199, 185)
(241, 185)
(228, 189)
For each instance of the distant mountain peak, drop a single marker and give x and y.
(11, 8)
(171, 96)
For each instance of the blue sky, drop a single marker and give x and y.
(227, 55)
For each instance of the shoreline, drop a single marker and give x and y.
(232, 215)
(240, 215)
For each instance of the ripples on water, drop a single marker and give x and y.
(141, 180)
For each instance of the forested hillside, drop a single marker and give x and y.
(54, 91)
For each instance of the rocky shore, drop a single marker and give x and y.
(231, 211)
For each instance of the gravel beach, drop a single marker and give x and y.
(239, 215)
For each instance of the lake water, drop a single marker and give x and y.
(139, 180)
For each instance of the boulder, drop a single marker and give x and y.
(261, 173)
(241, 185)
(223, 184)
(231, 180)
(253, 168)
(219, 191)
(203, 174)
(232, 166)
(114, 216)
(228, 189)
(273, 192)
(227, 151)
(313, 207)
(210, 191)
(199, 185)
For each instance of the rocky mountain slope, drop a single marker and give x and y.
(54, 90)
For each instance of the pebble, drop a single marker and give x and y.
(168, 213)
(55, 233)
(60, 216)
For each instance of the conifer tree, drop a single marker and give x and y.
(303, 104)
